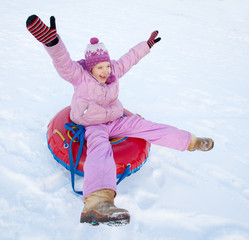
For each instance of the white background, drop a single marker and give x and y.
(195, 78)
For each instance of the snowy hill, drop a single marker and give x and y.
(195, 78)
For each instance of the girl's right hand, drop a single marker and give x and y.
(42, 32)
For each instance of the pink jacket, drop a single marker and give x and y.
(92, 102)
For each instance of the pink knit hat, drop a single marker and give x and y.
(95, 53)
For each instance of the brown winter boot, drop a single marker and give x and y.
(99, 208)
(201, 144)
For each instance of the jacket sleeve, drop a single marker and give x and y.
(69, 70)
(125, 63)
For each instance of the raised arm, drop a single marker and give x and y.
(67, 69)
(126, 62)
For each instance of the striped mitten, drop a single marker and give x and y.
(42, 32)
(152, 40)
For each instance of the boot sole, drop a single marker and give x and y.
(211, 147)
(94, 219)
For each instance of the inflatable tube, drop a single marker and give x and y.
(128, 152)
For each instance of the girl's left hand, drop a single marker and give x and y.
(152, 40)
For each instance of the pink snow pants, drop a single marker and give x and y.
(100, 168)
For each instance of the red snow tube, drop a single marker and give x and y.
(132, 152)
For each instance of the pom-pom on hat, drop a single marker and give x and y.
(95, 53)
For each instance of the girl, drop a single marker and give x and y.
(95, 105)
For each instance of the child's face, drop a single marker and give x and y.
(101, 71)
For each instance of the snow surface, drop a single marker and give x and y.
(196, 78)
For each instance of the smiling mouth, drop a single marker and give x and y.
(103, 77)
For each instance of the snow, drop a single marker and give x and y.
(195, 78)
